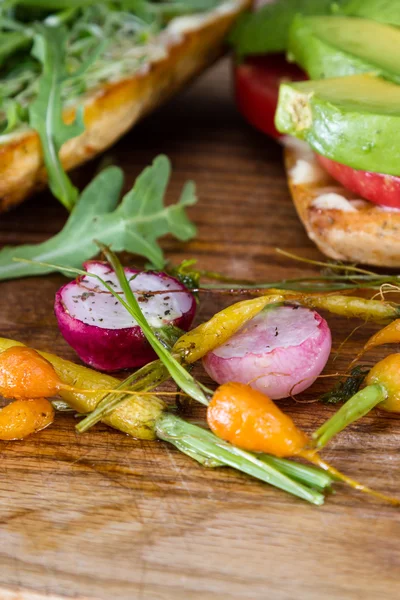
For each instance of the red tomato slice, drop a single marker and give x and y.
(257, 83)
(376, 187)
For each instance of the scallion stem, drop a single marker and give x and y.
(205, 444)
(310, 476)
(355, 408)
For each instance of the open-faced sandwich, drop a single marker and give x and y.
(337, 95)
(107, 63)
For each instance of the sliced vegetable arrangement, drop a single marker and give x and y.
(256, 435)
(258, 350)
(347, 114)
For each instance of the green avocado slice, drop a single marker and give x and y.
(353, 120)
(385, 11)
(338, 46)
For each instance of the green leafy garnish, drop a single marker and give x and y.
(178, 372)
(45, 113)
(120, 34)
(346, 388)
(267, 29)
(11, 42)
(134, 225)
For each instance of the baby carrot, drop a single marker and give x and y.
(23, 417)
(25, 374)
(388, 335)
(134, 416)
(249, 419)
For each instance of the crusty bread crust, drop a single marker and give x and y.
(111, 110)
(358, 232)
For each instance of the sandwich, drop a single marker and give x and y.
(121, 60)
(327, 86)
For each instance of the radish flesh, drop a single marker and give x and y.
(100, 329)
(280, 352)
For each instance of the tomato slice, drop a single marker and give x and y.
(257, 82)
(375, 187)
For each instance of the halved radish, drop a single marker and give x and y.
(99, 328)
(280, 352)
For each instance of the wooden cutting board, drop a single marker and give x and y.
(104, 516)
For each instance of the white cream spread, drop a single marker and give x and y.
(305, 171)
(182, 25)
(332, 201)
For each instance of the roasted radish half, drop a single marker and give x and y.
(280, 352)
(100, 329)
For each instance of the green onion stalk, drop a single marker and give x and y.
(357, 407)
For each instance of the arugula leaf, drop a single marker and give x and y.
(45, 113)
(142, 217)
(14, 114)
(11, 42)
(134, 226)
(266, 30)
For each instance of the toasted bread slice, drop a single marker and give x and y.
(343, 226)
(191, 44)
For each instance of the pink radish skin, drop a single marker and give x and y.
(99, 328)
(280, 352)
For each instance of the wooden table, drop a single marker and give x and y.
(104, 516)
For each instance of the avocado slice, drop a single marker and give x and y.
(266, 30)
(353, 120)
(385, 11)
(338, 46)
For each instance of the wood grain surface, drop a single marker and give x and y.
(104, 516)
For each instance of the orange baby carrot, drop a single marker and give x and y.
(23, 417)
(249, 419)
(26, 374)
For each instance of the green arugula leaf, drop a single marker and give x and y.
(45, 113)
(266, 30)
(14, 114)
(12, 42)
(133, 226)
(142, 217)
